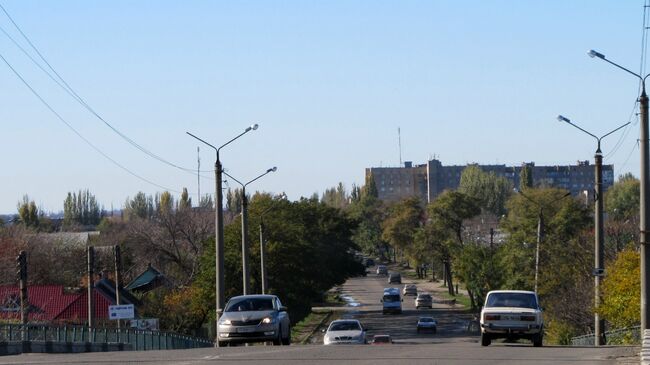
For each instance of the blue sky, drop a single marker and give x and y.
(329, 83)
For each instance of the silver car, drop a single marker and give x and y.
(254, 318)
(423, 300)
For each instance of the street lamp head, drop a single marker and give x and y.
(593, 54)
(252, 128)
(272, 169)
(562, 118)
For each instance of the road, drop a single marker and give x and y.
(451, 345)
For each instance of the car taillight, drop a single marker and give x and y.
(528, 318)
(492, 317)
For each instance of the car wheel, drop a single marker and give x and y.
(287, 341)
(485, 339)
(538, 340)
(278, 341)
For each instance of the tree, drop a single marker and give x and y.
(336, 197)
(447, 214)
(622, 198)
(525, 177)
(141, 206)
(398, 229)
(621, 291)
(81, 209)
(28, 212)
(371, 187)
(490, 190)
(369, 213)
(186, 201)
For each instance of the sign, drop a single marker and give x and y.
(150, 324)
(125, 311)
(598, 272)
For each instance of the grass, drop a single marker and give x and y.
(461, 299)
(302, 330)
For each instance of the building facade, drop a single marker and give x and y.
(427, 181)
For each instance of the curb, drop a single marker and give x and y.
(311, 334)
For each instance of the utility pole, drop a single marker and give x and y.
(599, 271)
(198, 173)
(118, 277)
(244, 240)
(262, 251)
(21, 263)
(644, 216)
(91, 284)
(540, 238)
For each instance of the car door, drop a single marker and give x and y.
(283, 317)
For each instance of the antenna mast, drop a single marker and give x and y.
(399, 143)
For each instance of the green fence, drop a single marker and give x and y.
(623, 336)
(139, 339)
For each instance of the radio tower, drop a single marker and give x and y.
(399, 144)
(198, 174)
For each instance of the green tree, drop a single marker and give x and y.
(28, 212)
(525, 177)
(621, 291)
(490, 190)
(622, 198)
(403, 219)
(81, 209)
(371, 187)
(141, 206)
(164, 203)
(186, 201)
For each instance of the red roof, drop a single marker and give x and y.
(51, 303)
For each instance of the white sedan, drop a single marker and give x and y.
(345, 331)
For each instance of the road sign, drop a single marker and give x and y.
(125, 311)
(598, 272)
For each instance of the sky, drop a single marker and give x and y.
(328, 82)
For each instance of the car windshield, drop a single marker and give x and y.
(426, 319)
(520, 300)
(391, 298)
(249, 304)
(345, 326)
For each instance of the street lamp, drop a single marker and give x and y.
(599, 270)
(540, 226)
(262, 243)
(244, 226)
(218, 228)
(644, 199)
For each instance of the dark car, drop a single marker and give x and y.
(394, 278)
(254, 318)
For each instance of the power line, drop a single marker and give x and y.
(70, 91)
(77, 132)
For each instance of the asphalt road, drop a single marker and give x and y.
(451, 345)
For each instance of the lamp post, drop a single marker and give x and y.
(599, 270)
(218, 227)
(244, 226)
(262, 244)
(644, 198)
(540, 227)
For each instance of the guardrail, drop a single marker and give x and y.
(623, 336)
(138, 339)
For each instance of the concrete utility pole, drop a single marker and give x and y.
(644, 199)
(91, 284)
(263, 245)
(218, 228)
(244, 225)
(599, 238)
(118, 277)
(21, 262)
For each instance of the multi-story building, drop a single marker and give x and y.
(427, 181)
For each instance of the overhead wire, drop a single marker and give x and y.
(70, 91)
(75, 131)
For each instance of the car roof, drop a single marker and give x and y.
(255, 296)
(390, 290)
(511, 291)
(423, 317)
(346, 320)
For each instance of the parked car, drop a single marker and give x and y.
(382, 270)
(345, 331)
(423, 300)
(254, 318)
(427, 324)
(394, 278)
(382, 340)
(512, 314)
(410, 289)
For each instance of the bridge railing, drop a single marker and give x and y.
(138, 339)
(623, 336)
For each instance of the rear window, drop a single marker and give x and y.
(521, 300)
(389, 298)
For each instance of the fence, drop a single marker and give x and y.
(139, 339)
(623, 336)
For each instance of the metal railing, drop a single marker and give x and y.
(138, 339)
(622, 336)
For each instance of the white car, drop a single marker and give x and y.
(345, 331)
(410, 289)
(512, 314)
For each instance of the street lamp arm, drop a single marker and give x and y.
(562, 118)
(596, 54)
(251, 128)
(273, 169)
(215, 148)
(612, 132)
(237, 181)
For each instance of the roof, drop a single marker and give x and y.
(253, 296)
(148, 280)
(51, 303)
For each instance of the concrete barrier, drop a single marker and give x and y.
(645, 348)
(19, 347)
